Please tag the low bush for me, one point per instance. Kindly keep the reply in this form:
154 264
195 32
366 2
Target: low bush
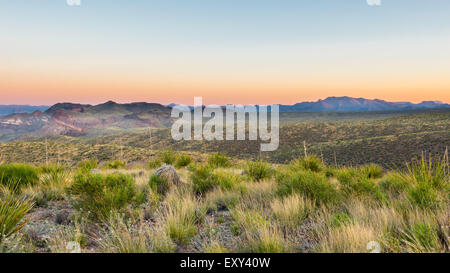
88 165
424 196
203 178
116 164
313 185
310 163
154 163
99 195
371 171
183 160
394 184
354 182
168 156
218 160
18 174
258 170
159 184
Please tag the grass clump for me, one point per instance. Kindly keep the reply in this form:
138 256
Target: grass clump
313 185
371 171
394 184
421 237
183 160
159 184
99 195
181 214
88 165
310 163
12 212
168 156
356 183
116 164
258 170
219 160
424 196
155 163
291 211
18 175
203 178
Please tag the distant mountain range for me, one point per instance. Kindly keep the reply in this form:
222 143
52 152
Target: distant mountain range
15 109
92 120
335 104
79 119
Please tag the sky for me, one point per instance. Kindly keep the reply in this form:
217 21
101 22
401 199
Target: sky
227 51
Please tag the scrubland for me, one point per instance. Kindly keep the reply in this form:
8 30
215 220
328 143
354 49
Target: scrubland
225 205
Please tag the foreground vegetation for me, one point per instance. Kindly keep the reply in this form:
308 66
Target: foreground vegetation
225 205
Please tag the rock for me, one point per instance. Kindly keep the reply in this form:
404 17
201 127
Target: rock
168 173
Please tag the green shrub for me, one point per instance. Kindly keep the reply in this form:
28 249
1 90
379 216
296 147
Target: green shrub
354 182
159 184
12 212
219 160
116 164
394 184
433 171
339 219
313 185
168 157
154 163
227 180
99 195
258 170
311 163
371 171
183 160
424 196
88 165
203 178
18 174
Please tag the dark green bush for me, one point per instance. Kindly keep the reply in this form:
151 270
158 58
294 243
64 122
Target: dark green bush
183 160
159 184
18 174
219 160
258 170
311 184
98 195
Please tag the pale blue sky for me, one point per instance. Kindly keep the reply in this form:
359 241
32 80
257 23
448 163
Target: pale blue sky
200 44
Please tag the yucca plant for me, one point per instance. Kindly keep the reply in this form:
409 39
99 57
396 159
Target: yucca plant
12 211
429 170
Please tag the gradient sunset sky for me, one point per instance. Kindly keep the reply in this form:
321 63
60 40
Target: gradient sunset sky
228 51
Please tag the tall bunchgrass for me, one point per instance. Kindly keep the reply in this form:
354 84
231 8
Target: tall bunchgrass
258 170
18 174
219 160
13 209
